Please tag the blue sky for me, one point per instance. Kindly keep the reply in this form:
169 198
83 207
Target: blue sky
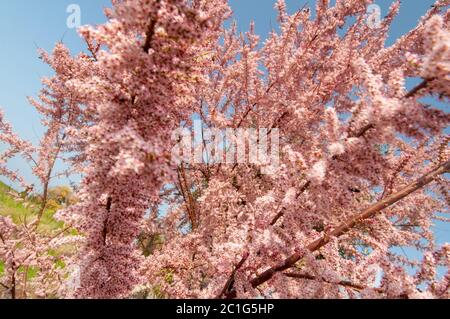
28 24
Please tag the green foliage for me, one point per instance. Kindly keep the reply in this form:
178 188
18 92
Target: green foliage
168 275
150 243
25 210
158 293
31 272
10 207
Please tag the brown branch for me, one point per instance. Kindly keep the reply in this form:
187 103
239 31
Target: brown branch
105 226
278 121
363 130
350 223
149 36
60 233
44 200
423 85
246 114
13 280
93 50
51 166
344 283
227 290
188 198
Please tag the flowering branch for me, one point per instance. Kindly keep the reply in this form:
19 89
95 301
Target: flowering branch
227 289
344 227
343 283
283 209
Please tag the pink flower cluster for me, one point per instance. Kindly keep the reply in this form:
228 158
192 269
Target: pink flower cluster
362 158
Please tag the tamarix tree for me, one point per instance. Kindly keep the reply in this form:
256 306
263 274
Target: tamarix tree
360 171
